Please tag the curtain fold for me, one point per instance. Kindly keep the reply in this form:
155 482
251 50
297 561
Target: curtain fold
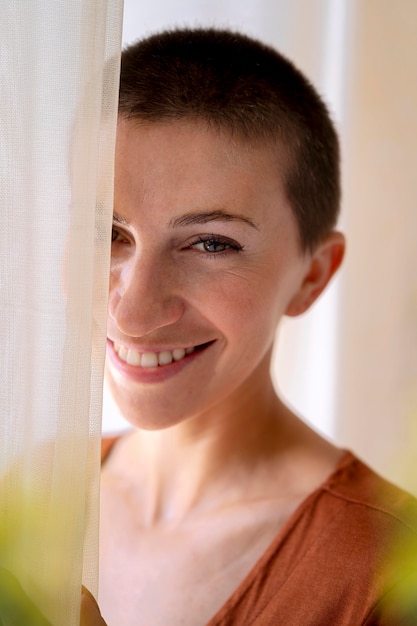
59 66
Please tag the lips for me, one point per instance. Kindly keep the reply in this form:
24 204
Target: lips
149 359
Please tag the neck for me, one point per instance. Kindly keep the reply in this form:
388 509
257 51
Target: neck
197 463
236 451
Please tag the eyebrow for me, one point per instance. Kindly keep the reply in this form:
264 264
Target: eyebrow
119 220
202 217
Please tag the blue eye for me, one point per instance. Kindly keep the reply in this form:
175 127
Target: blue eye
216 245
210 245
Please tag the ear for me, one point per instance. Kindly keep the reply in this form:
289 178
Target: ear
323 264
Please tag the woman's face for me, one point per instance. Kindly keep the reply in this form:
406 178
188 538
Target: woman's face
205 261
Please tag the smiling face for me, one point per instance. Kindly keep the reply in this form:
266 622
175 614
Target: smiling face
205 261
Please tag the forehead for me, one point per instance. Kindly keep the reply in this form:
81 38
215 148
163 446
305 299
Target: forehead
186 139
179 166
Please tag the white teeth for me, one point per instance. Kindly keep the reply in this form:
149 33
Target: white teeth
133 357
123 352
178 354
165 358
151 359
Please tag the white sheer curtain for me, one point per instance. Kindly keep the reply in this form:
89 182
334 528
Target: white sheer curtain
59 65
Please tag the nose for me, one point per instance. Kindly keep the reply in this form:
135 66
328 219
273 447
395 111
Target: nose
144 295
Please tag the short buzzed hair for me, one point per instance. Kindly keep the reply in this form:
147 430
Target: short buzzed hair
239 85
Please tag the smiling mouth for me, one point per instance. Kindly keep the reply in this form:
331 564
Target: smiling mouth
154 359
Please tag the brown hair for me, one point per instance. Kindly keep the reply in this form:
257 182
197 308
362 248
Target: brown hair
237 84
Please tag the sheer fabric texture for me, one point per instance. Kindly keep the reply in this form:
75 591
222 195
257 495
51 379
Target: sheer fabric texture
59 67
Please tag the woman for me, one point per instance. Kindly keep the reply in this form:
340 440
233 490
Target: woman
221 506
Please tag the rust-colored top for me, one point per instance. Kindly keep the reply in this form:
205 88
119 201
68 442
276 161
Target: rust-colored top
346 557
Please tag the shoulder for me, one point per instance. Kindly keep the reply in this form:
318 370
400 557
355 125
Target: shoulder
375 511
356 484
351 550
377 532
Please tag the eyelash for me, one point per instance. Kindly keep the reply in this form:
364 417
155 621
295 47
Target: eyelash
230 245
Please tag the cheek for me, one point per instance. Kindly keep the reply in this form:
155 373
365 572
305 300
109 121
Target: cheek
244 305
118 280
